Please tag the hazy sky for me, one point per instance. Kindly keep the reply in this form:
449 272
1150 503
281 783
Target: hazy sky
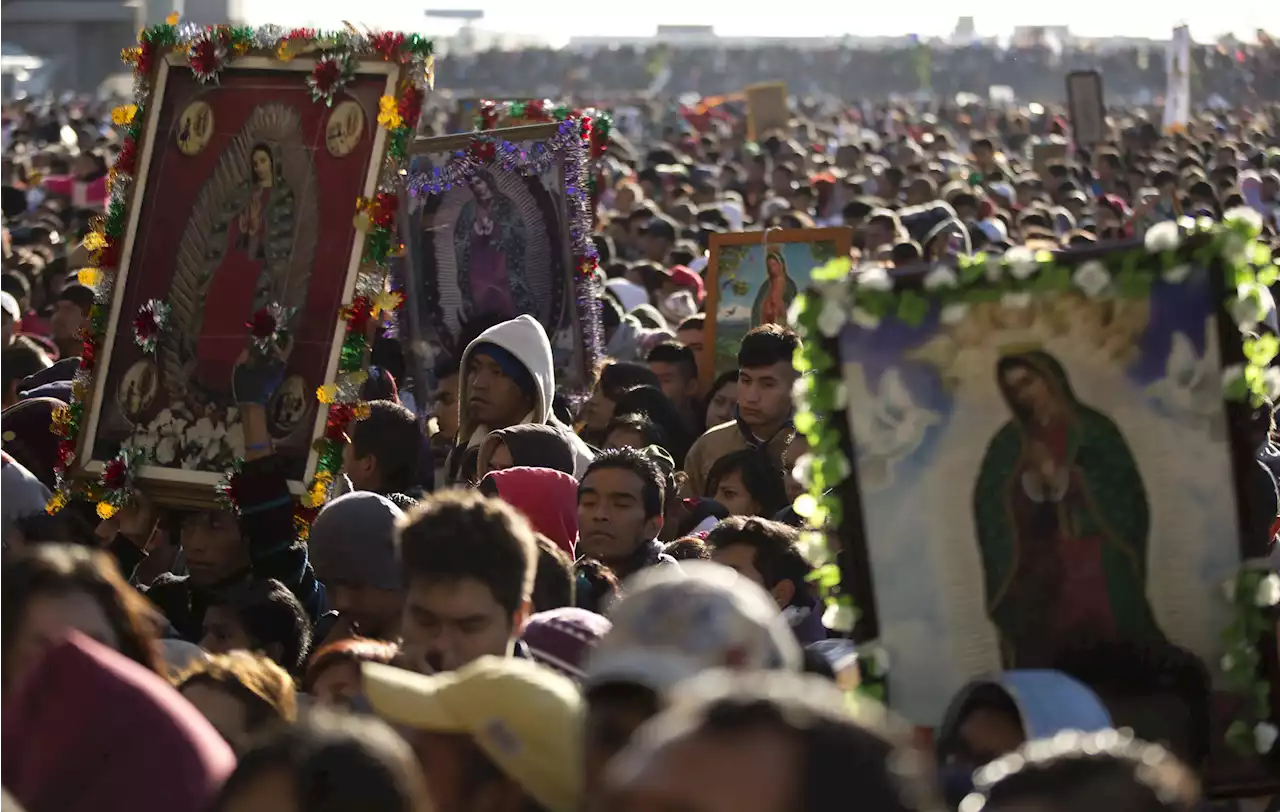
559 20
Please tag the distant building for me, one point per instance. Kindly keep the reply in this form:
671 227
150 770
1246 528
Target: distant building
79 40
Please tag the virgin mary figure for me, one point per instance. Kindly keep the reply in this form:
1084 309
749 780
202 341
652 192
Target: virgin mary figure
249 247
776 294
489 241
1062 520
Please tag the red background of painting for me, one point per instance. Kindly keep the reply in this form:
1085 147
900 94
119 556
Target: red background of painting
174 182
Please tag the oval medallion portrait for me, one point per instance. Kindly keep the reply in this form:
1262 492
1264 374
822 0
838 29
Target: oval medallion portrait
345 129
195 128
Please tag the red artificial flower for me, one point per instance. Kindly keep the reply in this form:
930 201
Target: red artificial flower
146 53
230 489
127 159
108 257
387 44
410 105
262 324
301 33
357 315
145 326
204 57
586 128
113 475
66 454
534 109
383 211
88 355
340 416
326 74
481 150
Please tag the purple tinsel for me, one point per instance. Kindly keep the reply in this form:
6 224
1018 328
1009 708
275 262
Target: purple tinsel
533 159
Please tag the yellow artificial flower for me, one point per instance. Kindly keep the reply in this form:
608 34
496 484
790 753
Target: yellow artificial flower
326 393
56 503
88 276
387 300
361 411
106 510
123 115
95 241
362 222
323 479
173 18
431 72
389 113
62 415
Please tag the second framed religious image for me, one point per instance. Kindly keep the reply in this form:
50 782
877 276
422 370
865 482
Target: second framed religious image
493 245
752 277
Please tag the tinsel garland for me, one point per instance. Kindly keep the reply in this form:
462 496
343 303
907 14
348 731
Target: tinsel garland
119 481
568 146
216 48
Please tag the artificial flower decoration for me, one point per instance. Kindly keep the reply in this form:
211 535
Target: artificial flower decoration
207 56
330 74
123 115
269 327
150 322
228 488
386 302
389 113
119 481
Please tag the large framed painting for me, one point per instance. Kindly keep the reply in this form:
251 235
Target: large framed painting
497 224
246 176
1033 456
751 279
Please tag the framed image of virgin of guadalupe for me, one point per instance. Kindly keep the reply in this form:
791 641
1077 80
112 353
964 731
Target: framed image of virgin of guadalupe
495 225
244 192
1043 469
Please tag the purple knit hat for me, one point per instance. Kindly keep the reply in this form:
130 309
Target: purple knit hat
560 638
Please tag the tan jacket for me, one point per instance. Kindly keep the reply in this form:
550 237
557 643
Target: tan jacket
725 439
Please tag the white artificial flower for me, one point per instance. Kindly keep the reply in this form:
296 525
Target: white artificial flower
865 320
163 419
1264 737
802 472
839 617
813 543
1017 300
993 270
1021 261
1268 591
880 658
1247 308
1228 663
1162 237
875 278
1271 380
1247 215
832 319
940 277
1092 277
954 313
1177 274
837 290
800 389
793 311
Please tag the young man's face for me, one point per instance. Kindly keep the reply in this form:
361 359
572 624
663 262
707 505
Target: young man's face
693 338
447 623
611 515
213 546
445 405
493 399
675 383
764 395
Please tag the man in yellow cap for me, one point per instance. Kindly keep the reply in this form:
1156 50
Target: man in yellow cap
498 734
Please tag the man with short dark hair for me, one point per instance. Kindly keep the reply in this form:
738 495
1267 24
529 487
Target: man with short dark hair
70 313
768 553
766 374
381 454
469 565
620 511
692 333
677 371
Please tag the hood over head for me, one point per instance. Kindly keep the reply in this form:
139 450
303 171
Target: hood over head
533 445
1048 703
525 339
547 498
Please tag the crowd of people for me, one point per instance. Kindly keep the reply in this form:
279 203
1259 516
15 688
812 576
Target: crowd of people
1238 73
522 605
